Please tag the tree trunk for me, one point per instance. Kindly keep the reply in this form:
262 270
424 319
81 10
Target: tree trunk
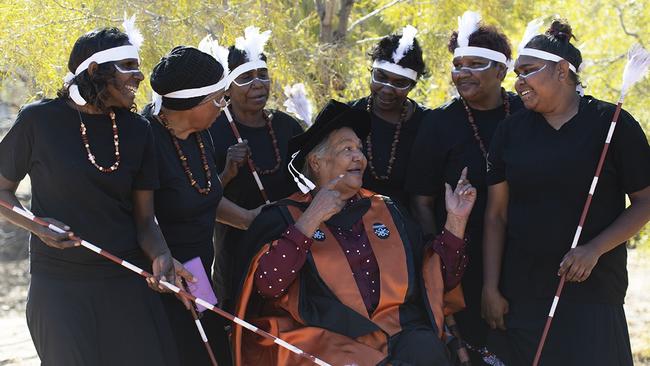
344 16
326 14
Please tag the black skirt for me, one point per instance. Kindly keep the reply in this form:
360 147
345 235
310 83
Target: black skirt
581 334
110 321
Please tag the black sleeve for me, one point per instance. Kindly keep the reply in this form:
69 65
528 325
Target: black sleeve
631 154
16 148
147 177
426 167
496 172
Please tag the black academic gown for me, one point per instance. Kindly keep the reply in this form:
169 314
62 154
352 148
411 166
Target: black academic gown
310 310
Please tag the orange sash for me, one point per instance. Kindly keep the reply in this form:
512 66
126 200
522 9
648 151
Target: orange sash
281 316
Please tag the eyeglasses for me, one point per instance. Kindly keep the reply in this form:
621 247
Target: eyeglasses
529 73
221 104
475 67
381 79
122 70
249 78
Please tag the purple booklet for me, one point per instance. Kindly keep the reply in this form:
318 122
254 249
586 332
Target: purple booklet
202 288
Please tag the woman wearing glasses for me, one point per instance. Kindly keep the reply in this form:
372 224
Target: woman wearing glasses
189 89
458 137
92 166
542 165
266 132
395 118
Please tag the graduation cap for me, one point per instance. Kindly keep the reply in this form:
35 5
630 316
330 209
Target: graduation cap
335 115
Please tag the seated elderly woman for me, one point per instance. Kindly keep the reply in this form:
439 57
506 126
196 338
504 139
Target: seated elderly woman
340 272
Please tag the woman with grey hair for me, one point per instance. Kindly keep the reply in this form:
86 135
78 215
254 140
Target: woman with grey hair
339 271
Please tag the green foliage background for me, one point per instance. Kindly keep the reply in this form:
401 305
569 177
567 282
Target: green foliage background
37 35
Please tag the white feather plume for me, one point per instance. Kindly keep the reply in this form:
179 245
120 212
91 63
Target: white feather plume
253 42
468 23
211 46
638 60
532 29
135 37
405 43
297 102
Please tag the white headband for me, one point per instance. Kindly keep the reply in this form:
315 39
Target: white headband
481 52
186 94
111 54
395 69
545 56
245 67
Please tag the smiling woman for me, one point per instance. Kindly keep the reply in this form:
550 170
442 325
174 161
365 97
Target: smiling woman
92 166
542 163
458 136
341 270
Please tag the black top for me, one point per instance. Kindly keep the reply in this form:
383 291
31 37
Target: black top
444 147
186 217
45 143
382 133
549 173
242 189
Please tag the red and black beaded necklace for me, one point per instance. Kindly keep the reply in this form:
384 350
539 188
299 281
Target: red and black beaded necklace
183 159
268 117
393 149
472 121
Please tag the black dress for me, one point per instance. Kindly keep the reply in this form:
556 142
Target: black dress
187 218
83 309
382 133
442 149
549 173
242 189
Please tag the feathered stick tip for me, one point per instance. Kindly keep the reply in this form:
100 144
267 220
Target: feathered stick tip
468 23
405 43
211 46
638 60
253 42
297 102
532 29
135 37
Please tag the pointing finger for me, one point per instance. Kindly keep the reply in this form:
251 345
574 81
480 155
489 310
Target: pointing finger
463 174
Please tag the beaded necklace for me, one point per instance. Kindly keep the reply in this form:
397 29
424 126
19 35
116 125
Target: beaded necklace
268 117
393 149
186 167
116 143
472 121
